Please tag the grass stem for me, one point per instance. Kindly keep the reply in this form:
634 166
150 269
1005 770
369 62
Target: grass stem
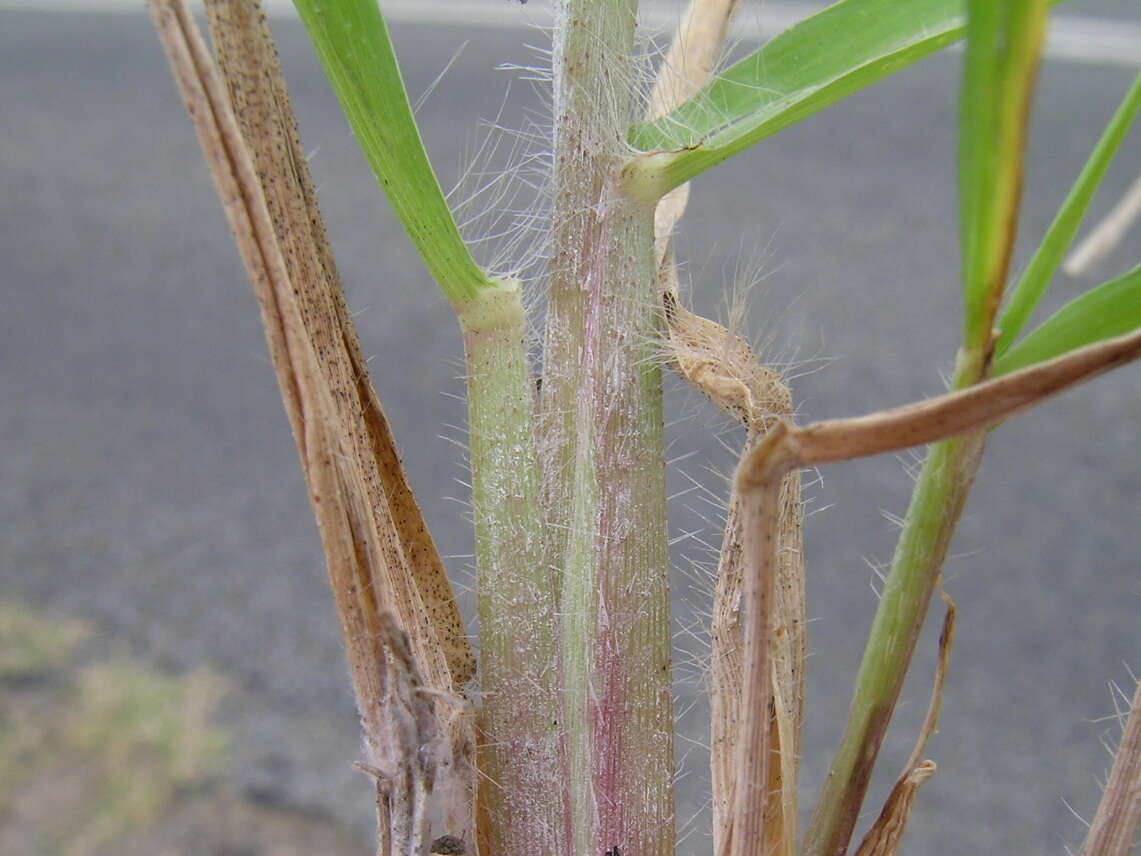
519 747
602 445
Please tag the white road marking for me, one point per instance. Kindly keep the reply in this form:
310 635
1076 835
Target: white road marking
1072 37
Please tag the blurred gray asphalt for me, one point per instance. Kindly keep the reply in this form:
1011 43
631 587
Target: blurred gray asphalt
150 482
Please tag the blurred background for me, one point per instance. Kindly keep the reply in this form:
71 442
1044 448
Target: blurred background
171 673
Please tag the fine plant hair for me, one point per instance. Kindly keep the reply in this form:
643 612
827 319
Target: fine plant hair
555 251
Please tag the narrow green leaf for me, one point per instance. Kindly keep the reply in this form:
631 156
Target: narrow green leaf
812 64
1111 309
1004 39
352 41
819 61
1040 272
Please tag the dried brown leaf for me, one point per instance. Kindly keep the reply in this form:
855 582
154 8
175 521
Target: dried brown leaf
884 837
414 583
726 369
1107 234
378 552
693 54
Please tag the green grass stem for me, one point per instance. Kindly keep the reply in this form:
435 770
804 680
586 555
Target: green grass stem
615 604
519 742
596 38
1004 41
936 505
603 456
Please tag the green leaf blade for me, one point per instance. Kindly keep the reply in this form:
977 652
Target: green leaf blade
823 59
1112 309
1004 40
819 61
813 64
353 44
1034 282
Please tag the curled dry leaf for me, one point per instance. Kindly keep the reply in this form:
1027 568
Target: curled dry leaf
726 369
884 838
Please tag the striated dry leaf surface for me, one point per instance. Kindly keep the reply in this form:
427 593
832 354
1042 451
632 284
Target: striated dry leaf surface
1113 831
380 557
415 584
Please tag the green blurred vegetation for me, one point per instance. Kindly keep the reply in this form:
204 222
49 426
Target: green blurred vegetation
92 749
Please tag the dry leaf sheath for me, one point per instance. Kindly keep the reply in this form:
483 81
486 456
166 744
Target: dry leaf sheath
379 554
1113 831
249 65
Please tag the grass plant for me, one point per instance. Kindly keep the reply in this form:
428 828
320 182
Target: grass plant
563 743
